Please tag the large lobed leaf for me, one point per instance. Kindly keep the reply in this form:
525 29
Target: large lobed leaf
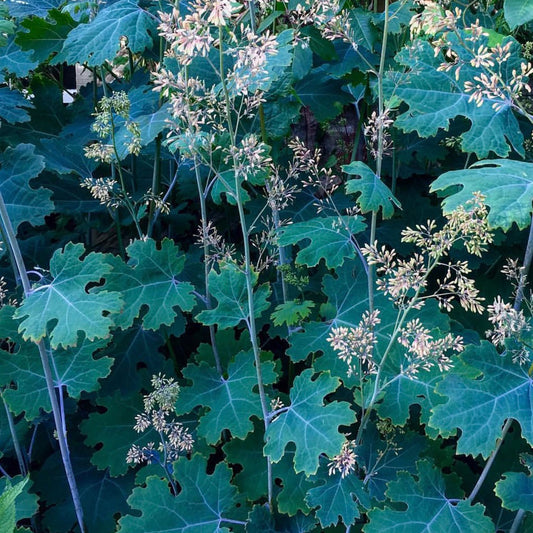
18 166
347 300
65 307
99 40
76 370
515 490
229 289
435 98
338 497
150 280
112 433
428 508
518 12
329 239
481 395
201 506
232 401
45 36
310 423
12 106
506 184
373 193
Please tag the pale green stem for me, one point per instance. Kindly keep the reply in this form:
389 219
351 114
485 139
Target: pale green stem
517 521
250 322
14 438
490 460
61 436
118 166
379 155
203 211
156 184
400 320
526 265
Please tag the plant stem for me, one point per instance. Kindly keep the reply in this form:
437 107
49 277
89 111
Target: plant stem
14 438
490 460
526 265
156 183
250 321
379 155
208 304
61 436
517 521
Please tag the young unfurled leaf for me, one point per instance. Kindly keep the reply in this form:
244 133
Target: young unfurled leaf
310 423
7 504
150 280
202 505
506 184
65 307
373 193
292 312
427 504
229 289
330 239
232 401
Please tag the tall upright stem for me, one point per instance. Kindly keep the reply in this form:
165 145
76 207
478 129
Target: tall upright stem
14 438
379 155
203 212
61 435
250 322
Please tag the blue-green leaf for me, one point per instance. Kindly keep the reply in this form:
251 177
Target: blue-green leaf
518 12
373 193
232 401
330 239
506 184
99 40
481 395
201 506
310 423
428 508
18 166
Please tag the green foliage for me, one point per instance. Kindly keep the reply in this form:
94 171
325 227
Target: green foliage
481 395
150 278
204 502
436 97
229 289
373 193
330 239
17 168
223 347
338 497
427 503
518 12
67 301
231 402
516 491
100 40
309 423
506 184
